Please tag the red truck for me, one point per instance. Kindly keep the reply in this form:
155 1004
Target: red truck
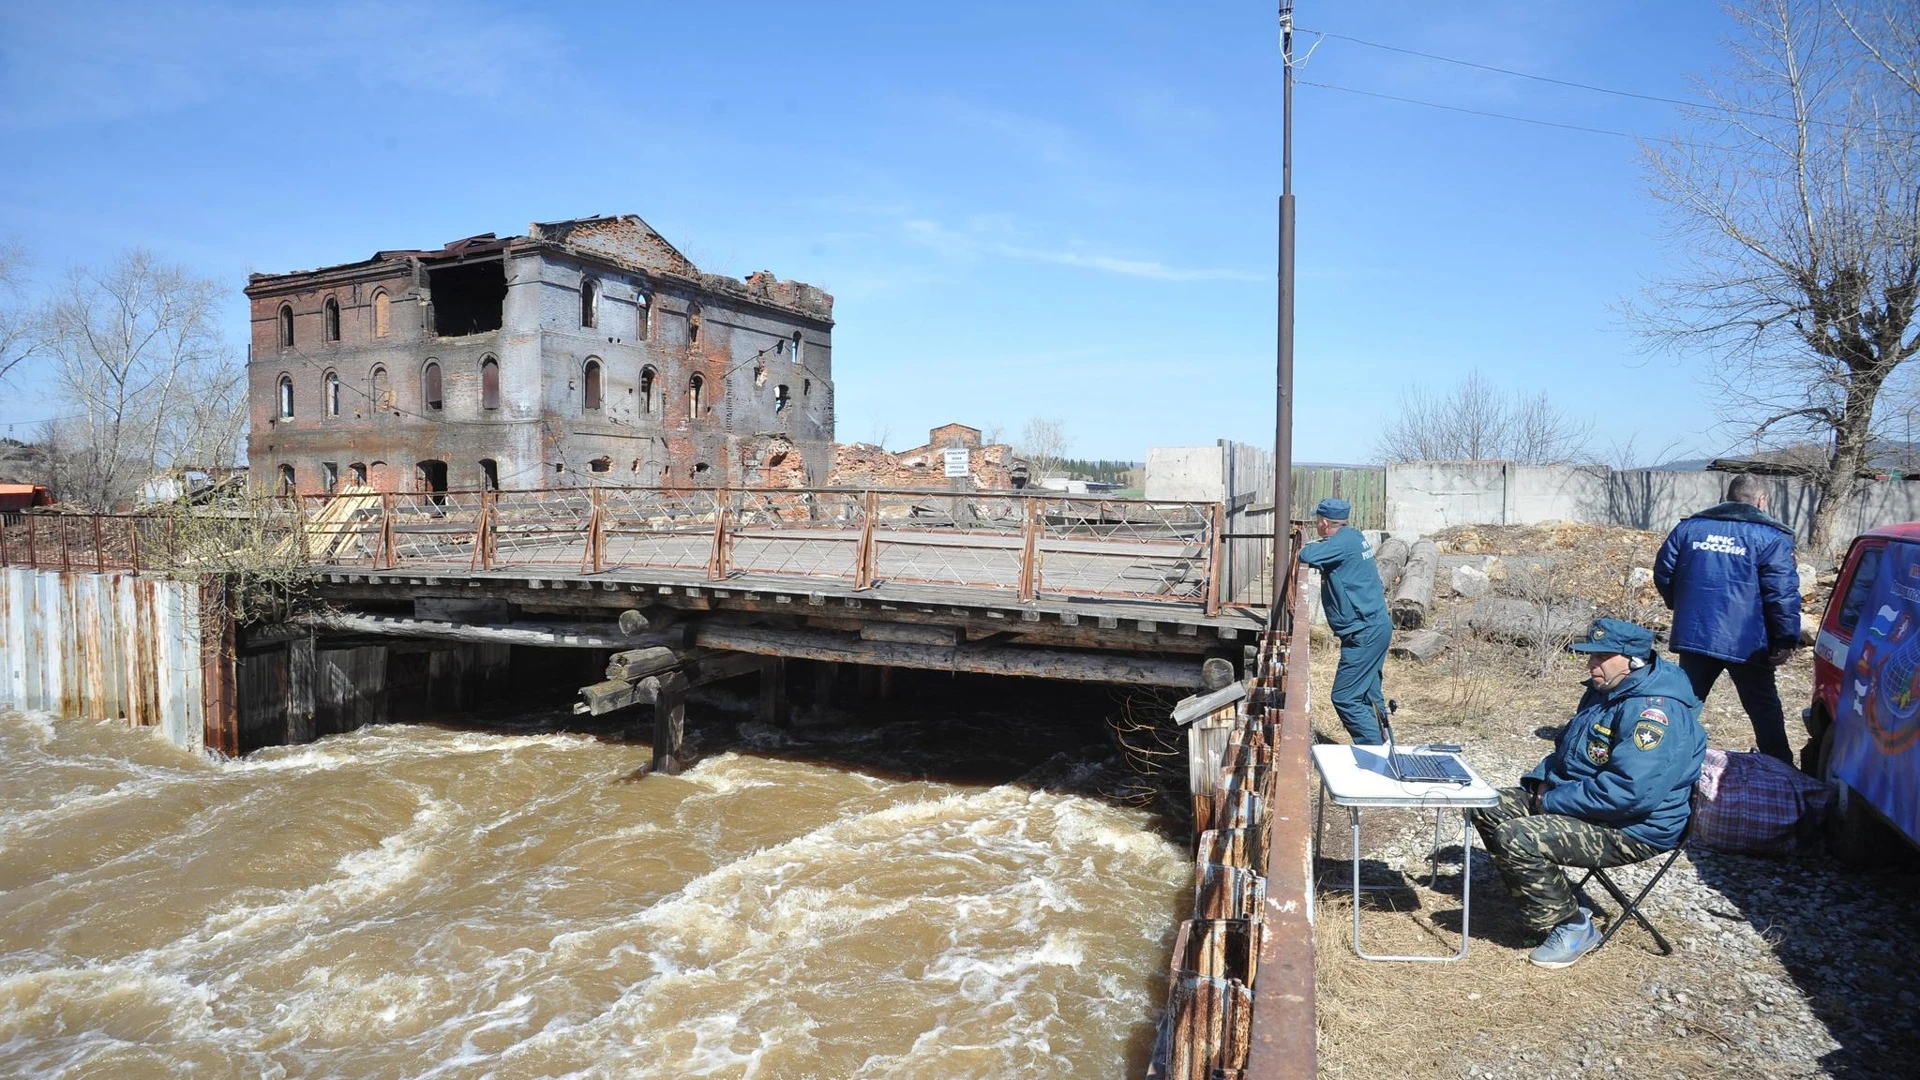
1864 722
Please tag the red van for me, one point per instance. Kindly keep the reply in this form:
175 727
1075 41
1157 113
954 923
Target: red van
1865 717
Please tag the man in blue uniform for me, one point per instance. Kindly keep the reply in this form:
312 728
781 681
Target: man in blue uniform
1616 789
1356 608
1728 574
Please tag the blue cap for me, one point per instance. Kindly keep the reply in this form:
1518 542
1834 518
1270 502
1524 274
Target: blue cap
1615 636
1334 509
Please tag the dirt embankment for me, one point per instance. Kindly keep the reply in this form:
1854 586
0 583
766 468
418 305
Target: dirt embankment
1783 967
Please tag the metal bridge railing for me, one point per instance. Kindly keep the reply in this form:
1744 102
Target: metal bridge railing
1027 545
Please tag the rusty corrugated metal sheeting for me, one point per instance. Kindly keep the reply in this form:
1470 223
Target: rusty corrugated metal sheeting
104 646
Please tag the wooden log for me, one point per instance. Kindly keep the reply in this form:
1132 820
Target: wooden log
604 697
986 660
1413 600
639 663
1391 560
1420 645
669 724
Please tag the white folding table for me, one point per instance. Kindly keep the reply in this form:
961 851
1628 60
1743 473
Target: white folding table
1357 778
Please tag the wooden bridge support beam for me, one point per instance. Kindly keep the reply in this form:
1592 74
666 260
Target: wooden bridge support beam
669 724
773 690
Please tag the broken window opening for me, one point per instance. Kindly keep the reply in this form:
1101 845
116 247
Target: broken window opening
332 323
781 398
759 376
382 395
467 298
329 476
590 389
286 397
696 394
287 485
601 464
331 390
430 386
645 304
589 303
702 473
777 460
382 313
286 326
358 471
798 345
489 383
693 324
806 387
430 478
646 389
381 480
489 474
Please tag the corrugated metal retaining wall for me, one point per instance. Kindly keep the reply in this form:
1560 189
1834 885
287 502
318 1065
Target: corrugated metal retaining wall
105 646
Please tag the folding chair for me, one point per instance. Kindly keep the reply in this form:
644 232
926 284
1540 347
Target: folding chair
1631 908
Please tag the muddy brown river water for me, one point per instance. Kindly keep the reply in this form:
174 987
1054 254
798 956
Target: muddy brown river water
515 901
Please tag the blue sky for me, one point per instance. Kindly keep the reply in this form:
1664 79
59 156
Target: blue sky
1061 210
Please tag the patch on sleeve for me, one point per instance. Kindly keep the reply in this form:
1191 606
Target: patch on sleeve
1647 734
1656 715
1599 752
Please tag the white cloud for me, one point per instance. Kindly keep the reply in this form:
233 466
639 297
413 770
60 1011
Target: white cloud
972 244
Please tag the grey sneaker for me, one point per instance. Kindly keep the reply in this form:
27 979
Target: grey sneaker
1567 942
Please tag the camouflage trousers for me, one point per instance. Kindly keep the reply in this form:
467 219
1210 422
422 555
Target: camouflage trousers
1531 848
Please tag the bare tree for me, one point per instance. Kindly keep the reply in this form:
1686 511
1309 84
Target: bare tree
1475 421
19 330
141 368
1795 211
1043 444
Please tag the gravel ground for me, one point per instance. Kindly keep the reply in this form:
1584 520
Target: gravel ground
1794 967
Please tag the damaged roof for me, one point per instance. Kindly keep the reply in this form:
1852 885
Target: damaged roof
624 240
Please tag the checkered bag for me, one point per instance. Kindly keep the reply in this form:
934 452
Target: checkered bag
1752 804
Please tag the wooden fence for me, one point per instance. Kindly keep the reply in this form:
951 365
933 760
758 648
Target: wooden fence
1366 489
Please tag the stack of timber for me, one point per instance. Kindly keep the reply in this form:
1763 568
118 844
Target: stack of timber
340 523
660 676
1413 600
1205 1031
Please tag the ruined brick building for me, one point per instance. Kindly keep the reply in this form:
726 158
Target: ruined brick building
586 352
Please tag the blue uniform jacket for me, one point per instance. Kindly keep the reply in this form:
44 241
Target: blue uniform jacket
1728 574
1350 591
1630 756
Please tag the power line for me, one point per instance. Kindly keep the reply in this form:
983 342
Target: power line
1571 84
1502 116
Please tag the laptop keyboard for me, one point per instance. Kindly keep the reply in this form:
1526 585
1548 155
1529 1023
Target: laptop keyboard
1429 768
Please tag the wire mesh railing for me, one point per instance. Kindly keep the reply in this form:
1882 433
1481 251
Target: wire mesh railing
1032 546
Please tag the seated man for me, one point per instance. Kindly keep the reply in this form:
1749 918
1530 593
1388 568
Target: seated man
1616 789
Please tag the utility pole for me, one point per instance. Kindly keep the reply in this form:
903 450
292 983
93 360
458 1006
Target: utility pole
1283 389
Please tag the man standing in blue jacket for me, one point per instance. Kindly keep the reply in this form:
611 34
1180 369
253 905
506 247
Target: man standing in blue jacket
1616 789
1356 607
1728 574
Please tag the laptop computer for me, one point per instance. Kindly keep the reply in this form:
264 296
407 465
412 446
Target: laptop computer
1422 765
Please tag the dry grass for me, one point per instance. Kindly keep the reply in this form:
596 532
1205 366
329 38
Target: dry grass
1494 1013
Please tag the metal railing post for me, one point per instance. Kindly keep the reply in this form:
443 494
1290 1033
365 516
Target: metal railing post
717 561
1030 552
866 560
133 543
33 549
6 554
483 535
1214 558
99 549
592 560
66 551
389 558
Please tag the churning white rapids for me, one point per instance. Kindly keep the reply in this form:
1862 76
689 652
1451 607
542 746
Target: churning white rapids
417 901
